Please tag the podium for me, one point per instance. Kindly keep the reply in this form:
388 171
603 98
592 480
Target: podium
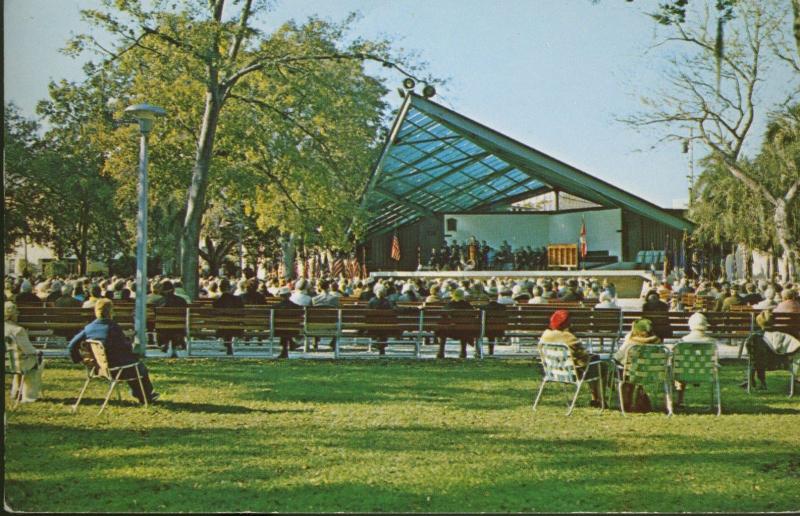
562 256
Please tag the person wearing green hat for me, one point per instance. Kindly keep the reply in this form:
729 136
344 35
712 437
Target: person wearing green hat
641 334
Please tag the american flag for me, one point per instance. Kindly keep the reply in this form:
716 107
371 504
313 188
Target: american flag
364 263
353 268
395 248
584 248
338 267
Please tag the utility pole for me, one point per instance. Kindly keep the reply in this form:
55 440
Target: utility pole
688 146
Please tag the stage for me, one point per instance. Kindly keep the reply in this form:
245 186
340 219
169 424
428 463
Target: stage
628 283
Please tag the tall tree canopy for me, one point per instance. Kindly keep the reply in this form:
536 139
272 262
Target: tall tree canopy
723 113
288 119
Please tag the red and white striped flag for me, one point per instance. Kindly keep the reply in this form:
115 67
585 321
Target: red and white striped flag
338 267
395 247
584 248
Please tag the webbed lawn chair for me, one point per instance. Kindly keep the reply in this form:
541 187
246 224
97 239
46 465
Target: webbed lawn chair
697 362
93 354
559 367
645 364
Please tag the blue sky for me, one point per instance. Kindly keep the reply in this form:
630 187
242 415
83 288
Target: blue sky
554 74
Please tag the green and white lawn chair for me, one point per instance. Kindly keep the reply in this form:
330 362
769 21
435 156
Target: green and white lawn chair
560 368
646 364
697 362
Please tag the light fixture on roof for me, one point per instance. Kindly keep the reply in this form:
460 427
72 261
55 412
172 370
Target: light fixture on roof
408 86
428 91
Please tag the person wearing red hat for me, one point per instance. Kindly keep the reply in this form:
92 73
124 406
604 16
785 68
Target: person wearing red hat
559 333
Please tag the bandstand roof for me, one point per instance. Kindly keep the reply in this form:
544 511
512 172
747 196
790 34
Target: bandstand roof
439 161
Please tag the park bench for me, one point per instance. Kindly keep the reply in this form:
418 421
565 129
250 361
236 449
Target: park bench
212 327
169 325
51 328
458 324
787 322
322 322
285 323
728 326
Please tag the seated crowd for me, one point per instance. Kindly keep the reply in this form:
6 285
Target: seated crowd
101 294
723 295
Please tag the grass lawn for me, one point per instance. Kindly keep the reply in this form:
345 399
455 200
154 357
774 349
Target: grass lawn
392 435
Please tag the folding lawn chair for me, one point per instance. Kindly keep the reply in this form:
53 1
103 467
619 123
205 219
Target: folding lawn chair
560 368
643 364
697 362
759 355
93 353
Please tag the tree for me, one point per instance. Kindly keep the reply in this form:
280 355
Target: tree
723 115
55 194
215 54
22 199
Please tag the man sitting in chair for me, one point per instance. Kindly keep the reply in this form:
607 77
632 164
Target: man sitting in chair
118 349
558 333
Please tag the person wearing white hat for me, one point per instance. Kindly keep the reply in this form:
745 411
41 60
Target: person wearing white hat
520 294
504 297
26 295
300 294
606 301
408 293
698 328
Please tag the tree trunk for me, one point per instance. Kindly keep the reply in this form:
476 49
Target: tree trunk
782 232
195 202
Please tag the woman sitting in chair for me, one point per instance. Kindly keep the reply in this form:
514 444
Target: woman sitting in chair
769 349
118 349
29 358
698 328
558 333
641 333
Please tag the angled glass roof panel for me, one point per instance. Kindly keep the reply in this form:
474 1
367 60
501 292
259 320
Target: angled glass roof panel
439 160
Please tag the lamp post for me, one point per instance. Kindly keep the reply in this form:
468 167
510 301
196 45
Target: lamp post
145 114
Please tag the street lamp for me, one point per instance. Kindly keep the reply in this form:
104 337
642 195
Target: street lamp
145 114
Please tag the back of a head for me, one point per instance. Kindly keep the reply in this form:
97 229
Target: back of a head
788 294
66 290
10 311
96 291
224 285
764 320
324 284
559 320
103 308
642 328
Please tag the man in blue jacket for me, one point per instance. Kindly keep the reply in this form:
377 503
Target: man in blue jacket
118 349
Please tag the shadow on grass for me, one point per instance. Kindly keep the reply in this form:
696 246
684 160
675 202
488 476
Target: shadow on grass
537 474
177 406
